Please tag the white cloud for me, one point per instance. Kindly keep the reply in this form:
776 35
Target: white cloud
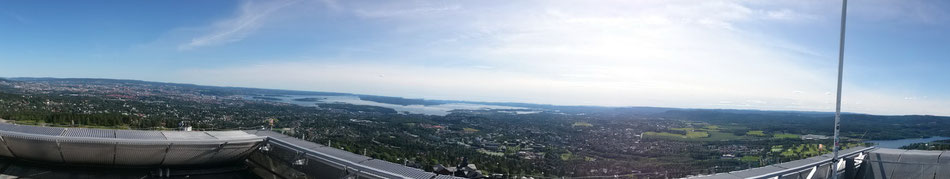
332 4
250 16
788 15
387 13
644 53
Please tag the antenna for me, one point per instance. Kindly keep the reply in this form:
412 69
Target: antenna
834 160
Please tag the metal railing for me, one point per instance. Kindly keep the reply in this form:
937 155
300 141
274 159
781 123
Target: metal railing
299 158
813 165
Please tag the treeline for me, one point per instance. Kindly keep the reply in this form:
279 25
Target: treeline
861 126
935 145
105 119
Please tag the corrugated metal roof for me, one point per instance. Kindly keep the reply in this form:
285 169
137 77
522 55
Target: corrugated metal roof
145 135
140 155
7 127
87 152
181 135
86 132
230 135
34 148
37 130
190 154
129 147
342 154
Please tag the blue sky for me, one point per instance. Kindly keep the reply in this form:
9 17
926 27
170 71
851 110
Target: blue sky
773 55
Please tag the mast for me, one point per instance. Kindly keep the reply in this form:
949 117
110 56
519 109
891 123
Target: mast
834 160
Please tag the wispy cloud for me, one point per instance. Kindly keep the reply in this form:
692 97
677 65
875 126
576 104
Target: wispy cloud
650 53
250 16
15 16
385 13
332 4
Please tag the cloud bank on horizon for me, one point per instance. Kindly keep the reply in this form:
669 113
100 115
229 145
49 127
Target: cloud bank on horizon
772 55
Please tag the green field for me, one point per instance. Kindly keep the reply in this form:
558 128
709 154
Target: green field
749 158
696 136
664 135
469 130
777 148
723 136
785 136
755 133
486 152
582 124
566 156
805 150
689 134
705 133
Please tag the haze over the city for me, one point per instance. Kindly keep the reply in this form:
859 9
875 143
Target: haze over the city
771 55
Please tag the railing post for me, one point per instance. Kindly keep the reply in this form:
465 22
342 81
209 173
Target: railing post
812 173
849 169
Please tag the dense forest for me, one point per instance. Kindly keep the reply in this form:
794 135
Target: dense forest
859 126
101 119
935 145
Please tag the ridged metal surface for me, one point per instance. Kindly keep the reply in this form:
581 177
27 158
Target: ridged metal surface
180 135
87 151
234 150
190 154
85 132
342 154
34 148
4 151
316 169
55 131
123 147
138 154
230 135
131 148
282 152
144 135
445 177
6 127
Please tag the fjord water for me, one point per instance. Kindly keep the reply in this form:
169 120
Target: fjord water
893 144
441 109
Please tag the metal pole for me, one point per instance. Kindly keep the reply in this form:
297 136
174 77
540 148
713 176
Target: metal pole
834 160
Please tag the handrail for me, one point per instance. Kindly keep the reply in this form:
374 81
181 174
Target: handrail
347 163
122 140
803 167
